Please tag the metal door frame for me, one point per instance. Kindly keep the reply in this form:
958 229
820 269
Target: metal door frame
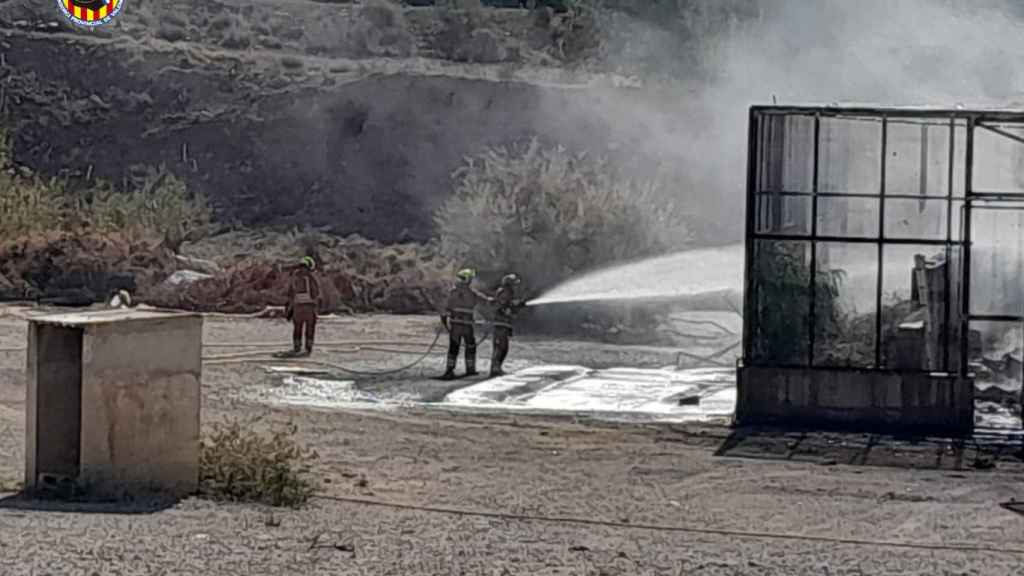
983 201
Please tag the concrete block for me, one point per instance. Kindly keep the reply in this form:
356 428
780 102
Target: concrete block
114 401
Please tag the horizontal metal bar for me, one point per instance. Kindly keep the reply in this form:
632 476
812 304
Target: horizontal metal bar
994 318
823 368
857 195
853 240
1008 196
999 207
1011 116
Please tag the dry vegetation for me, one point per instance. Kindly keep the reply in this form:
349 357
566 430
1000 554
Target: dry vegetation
237 465
159 208
548 214
356 275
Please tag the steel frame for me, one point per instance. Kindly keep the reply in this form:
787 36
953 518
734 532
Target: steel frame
971 199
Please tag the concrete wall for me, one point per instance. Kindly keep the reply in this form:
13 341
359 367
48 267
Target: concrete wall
140 406
53 403
888 401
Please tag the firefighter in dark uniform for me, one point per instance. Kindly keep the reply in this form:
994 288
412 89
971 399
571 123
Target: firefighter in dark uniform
458 318
303 305
507 306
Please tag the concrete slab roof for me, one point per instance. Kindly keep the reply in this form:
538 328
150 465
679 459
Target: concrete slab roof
92 317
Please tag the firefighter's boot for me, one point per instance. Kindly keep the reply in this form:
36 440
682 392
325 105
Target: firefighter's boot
449 372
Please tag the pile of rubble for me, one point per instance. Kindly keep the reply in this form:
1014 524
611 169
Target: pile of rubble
253 287
247 272
356 275
79 269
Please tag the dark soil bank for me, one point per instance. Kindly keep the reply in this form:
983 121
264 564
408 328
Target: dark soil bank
308 141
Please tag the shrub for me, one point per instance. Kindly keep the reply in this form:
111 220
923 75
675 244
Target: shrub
484 46
782 278
292 62
238 465
29 204
158 207
459 20
381 30
161 206
171 33
549 214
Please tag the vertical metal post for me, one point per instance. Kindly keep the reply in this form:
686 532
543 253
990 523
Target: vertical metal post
753 170
881 246
811 320
923 179
967 240
947 325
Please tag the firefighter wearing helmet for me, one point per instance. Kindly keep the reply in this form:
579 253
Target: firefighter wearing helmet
458 318
507 306
303 305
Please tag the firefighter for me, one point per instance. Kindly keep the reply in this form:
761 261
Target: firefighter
303 305
458 318
507 306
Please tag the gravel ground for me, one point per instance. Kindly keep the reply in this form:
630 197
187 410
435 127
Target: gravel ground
476 494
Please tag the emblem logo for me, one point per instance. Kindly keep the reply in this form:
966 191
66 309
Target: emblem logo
90 12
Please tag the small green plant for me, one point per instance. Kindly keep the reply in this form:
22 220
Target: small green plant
782 288
238 465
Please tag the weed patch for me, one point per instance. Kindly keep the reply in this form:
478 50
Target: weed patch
238 465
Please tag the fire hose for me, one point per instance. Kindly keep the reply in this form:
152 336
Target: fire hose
242 357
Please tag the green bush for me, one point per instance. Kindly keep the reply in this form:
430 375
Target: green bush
782 280
238 465
159 207
29 204
549 214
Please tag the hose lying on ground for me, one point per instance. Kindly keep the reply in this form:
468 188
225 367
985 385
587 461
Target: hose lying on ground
240 359
355 348
246 357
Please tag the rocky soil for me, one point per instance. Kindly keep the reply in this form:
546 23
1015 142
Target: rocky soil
422 491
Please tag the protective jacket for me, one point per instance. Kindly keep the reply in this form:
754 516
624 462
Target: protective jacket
462 300
507 306
303 289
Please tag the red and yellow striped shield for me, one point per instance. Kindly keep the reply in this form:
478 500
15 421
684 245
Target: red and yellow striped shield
91 13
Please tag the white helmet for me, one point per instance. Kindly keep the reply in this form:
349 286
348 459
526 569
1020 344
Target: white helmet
120 299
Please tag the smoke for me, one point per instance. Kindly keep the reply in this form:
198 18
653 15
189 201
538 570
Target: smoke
692 129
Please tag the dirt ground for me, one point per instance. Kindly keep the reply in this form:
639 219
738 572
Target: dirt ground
420 490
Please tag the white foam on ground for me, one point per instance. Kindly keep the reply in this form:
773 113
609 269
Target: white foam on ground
633 393
710 392
322 393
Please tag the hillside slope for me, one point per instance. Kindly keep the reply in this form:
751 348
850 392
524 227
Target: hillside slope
295 112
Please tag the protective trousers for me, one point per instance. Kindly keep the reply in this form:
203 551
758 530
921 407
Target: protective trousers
501 336
304 320
461 333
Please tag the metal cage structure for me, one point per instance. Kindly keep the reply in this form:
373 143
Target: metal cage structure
884 255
